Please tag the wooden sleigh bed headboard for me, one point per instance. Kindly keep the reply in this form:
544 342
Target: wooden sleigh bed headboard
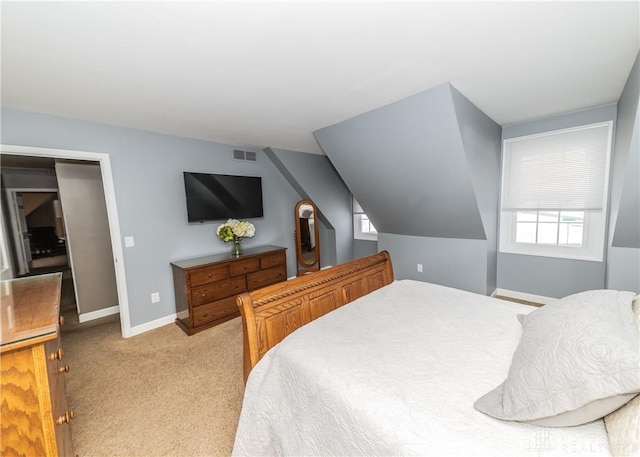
271 313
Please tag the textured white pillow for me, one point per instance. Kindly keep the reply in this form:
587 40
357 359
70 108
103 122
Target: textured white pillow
577 361
623 425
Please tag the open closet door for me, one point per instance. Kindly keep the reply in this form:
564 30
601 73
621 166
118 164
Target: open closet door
88 238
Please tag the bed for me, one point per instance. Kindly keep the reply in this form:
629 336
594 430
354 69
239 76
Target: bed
396 372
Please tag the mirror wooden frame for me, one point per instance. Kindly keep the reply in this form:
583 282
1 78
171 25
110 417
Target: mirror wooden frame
307 235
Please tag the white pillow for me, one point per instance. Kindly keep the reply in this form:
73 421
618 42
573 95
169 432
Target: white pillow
623 425
577 361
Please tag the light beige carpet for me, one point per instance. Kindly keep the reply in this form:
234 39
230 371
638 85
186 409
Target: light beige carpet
161 393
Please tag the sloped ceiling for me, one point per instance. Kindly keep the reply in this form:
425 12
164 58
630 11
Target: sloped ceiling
406 165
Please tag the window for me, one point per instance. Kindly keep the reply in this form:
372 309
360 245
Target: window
561 228
363 229
554 193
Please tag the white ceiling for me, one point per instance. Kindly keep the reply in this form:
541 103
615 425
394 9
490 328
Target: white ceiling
270 73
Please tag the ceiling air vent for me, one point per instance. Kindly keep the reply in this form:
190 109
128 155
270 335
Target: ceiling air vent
247 156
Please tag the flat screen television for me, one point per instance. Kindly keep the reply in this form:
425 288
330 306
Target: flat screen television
213 197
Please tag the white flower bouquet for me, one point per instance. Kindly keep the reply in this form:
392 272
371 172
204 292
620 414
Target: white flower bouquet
234 227
234 230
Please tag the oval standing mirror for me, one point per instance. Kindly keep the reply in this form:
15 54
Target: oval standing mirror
307 239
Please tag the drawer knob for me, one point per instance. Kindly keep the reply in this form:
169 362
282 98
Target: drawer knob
66 418
63 369
202 294
209 275
61 320
57 355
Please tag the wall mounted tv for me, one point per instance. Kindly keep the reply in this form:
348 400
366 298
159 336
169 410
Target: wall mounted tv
213 197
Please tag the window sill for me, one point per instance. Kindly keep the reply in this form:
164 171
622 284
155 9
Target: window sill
554 255
365 237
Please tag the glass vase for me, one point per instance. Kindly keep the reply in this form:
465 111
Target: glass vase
236 247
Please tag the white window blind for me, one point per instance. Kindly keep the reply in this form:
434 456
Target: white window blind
561 170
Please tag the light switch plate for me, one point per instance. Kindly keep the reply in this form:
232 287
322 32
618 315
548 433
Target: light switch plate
128 242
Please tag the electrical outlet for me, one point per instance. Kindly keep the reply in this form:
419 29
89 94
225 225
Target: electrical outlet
419 266
155 297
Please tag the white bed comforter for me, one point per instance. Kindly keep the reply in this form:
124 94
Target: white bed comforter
397 373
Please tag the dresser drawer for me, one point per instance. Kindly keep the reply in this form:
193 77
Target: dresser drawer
217 291
209 274
266 277
214 311
271 260
242 267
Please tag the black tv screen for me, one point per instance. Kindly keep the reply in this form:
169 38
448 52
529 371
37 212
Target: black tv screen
220 197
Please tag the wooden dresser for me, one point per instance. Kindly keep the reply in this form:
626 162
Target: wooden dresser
34 415
206 287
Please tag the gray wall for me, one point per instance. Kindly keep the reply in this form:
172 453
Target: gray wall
314 178
547 276
446 261
147 171
363 248
426 171
623 261
481 141
406 166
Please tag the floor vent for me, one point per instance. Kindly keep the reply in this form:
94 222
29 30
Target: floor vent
247 156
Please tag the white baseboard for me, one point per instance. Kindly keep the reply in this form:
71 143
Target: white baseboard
523 296
104 312
142 328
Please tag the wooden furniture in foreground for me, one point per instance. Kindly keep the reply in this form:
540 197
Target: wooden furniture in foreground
206 287
271 313
34 415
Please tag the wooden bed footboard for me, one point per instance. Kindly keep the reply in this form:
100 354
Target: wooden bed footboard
271 313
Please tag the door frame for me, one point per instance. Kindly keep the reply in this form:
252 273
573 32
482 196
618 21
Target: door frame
112 213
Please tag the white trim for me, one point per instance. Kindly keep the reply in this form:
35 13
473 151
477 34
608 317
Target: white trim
104 312
112 214
576 128
147 326
523 296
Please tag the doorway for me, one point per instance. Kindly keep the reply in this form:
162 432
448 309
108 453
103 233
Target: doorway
37 226
103 161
